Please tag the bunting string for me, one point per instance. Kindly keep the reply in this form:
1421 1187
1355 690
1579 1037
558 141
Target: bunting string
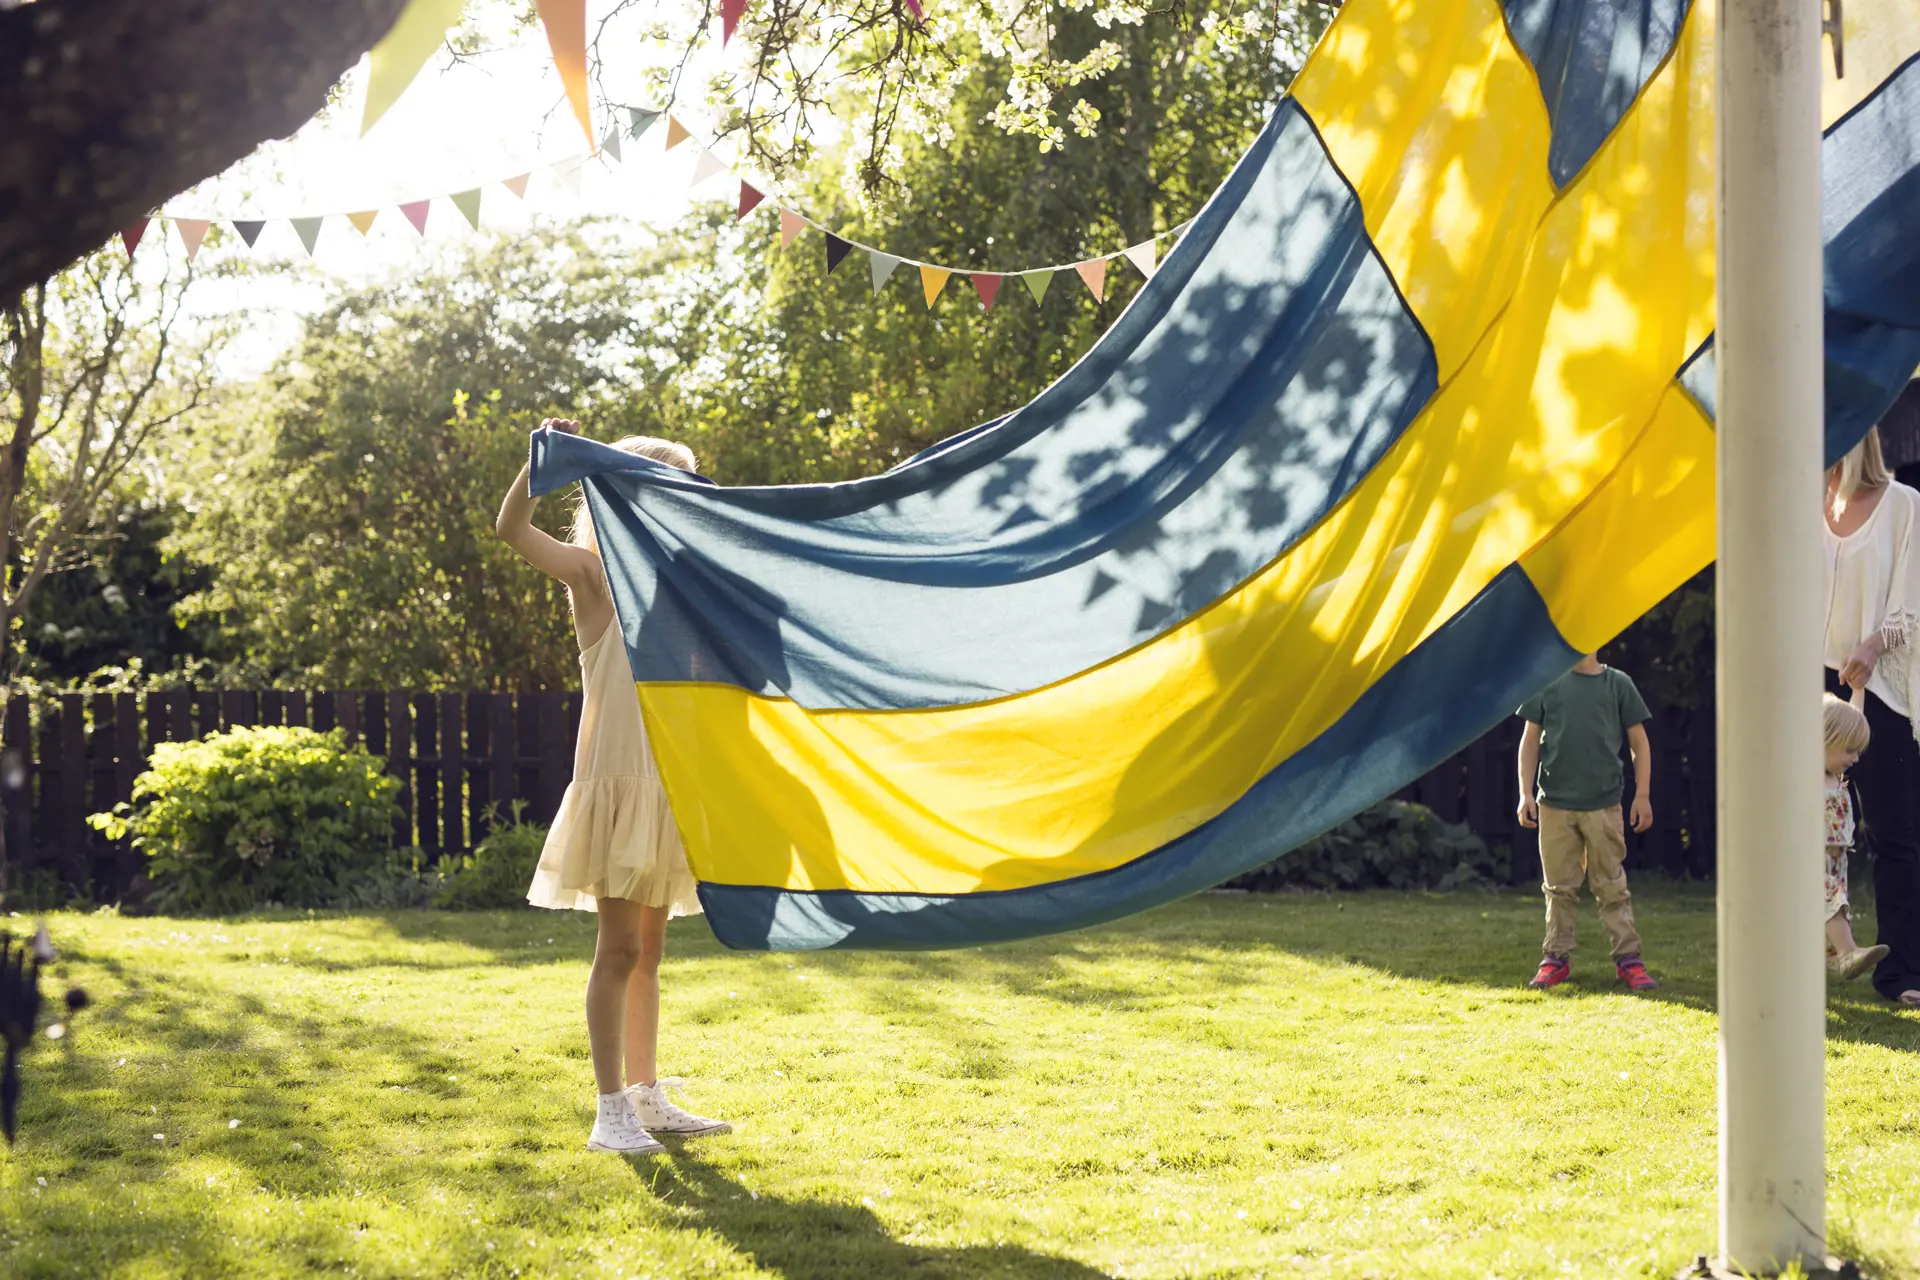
1092 272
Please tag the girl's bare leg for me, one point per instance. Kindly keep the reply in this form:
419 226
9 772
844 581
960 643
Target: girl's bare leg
616 955
1840 934
643 997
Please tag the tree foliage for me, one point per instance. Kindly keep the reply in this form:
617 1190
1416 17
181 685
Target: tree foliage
93 364
350 533
349 515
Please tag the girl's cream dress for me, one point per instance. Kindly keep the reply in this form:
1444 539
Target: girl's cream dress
614 836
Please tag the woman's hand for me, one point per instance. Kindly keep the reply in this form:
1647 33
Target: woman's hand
566 426
1858 670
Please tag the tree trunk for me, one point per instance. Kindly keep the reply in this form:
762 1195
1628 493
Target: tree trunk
112 106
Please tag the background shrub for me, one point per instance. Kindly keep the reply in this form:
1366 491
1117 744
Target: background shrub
257 817
497 872
1393 845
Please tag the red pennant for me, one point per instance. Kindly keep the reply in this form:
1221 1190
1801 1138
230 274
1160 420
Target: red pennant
130 235
919 14
417 214
730 14
749 200
986 284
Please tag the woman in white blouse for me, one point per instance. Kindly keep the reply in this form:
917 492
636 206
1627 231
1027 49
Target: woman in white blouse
1873 640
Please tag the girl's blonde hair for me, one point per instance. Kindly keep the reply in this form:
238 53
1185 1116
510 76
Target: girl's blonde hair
1846 726
1864 467
671 452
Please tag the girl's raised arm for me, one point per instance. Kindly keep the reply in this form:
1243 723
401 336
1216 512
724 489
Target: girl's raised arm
575 566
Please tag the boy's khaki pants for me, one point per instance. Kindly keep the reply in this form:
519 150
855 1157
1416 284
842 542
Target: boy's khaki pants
1591 845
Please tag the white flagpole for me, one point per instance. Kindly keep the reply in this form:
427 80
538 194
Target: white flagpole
1771 609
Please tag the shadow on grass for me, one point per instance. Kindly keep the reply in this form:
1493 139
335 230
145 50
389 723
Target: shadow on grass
824 1240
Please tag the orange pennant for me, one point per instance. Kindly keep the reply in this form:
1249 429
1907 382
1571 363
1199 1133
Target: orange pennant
518 186
192 232
677 133
932 281
566 24
1095 274
363 222
791 225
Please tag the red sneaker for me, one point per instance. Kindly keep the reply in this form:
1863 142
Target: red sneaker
1634 974
1553 971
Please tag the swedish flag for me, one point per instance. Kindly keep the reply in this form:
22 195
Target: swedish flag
1418 411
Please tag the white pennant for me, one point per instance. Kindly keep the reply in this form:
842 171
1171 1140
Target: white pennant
882 265
1142 256
708 166
568 171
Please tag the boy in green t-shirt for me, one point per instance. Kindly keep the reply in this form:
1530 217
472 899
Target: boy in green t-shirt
1572 743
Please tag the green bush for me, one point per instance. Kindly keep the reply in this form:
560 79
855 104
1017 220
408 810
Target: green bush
497 872
257 817
1393 845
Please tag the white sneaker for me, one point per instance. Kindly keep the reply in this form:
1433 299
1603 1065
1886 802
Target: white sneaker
655 1112
617 1128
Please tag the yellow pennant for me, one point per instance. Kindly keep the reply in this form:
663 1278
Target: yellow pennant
933 280
401 53
363 222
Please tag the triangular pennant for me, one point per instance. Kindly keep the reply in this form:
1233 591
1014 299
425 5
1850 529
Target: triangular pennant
1143 256
1095 274
882 265
730 13
249 231
417 214
566 24
518 186
707 166
791 225
919 14
468 202
568 172
131 233
932 281
987 285
308 229
837 250
677 133
1037 282
192 232
397 59
611 143
363 222
750 199
640 120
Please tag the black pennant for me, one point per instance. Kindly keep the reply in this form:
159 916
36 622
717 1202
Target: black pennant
249 231
837 250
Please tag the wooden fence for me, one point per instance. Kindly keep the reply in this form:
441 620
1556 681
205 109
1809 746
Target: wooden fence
462 757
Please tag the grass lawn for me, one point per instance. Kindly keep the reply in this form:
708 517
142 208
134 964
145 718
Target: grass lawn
1231 1086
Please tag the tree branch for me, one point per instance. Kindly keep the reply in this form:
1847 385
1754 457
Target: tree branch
114 105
